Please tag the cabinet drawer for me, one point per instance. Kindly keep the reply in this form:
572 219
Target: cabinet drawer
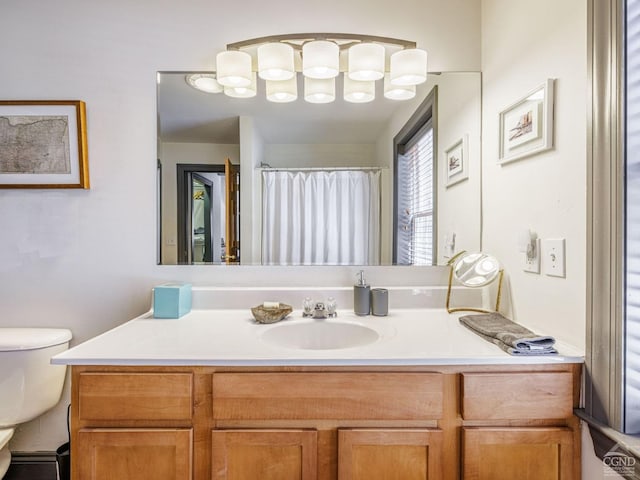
517 396
328 395
135 396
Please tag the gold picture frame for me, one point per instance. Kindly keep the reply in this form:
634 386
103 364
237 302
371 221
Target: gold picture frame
43 144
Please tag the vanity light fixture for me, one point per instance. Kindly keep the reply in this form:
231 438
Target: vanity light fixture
282 91
205 82
319 58
245 91
319 90
398 92
356 91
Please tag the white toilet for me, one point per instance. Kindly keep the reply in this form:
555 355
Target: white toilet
29 384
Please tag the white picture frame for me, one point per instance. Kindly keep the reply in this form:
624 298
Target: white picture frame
526 126
456 162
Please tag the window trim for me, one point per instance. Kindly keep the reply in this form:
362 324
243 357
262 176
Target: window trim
428 110
604 362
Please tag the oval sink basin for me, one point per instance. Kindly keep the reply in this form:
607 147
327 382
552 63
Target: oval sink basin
320 335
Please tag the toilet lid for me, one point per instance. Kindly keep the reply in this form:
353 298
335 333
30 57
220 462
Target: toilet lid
12 339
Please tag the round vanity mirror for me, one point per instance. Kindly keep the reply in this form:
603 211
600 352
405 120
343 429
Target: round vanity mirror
476 269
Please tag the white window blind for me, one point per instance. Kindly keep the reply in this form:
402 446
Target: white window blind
414 236
632 155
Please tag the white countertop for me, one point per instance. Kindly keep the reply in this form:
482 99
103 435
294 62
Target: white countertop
232 338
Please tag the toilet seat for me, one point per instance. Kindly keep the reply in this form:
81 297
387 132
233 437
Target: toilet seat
5 454
5 436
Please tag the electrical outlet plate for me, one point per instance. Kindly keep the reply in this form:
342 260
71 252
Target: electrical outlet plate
533 265
553 257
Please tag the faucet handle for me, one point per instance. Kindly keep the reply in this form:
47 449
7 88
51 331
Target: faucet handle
331 306
307 307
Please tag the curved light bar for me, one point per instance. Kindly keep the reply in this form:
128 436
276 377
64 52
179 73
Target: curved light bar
317 56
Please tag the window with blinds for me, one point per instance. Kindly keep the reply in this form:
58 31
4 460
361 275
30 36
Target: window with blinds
414 200
632 212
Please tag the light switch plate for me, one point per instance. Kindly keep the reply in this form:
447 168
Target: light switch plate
533 265
553 257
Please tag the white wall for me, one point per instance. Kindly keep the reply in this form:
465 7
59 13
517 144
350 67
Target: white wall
320 155
87 259
523 44
545 192
172 154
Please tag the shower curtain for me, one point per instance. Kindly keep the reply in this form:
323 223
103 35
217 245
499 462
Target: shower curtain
321 217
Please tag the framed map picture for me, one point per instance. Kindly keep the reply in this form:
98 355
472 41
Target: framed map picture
43 144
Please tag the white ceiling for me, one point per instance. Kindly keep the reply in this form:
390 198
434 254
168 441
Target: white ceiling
189 115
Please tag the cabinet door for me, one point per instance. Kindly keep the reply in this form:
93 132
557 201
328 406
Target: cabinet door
389 454
523 453
133 454
264 454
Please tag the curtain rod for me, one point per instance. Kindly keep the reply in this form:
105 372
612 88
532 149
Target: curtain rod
307 169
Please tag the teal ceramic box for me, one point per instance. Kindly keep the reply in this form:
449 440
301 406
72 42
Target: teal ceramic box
172 300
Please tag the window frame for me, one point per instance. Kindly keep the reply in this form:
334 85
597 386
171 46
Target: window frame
604 388
426 112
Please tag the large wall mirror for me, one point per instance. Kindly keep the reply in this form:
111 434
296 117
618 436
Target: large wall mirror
248 181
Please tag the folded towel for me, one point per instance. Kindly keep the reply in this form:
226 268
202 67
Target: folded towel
509 336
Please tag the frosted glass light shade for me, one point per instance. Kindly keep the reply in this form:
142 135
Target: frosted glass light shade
233 68
243 92
320 59
205 82
358 92
398 92
275 61
319 90
408 67
282 91
366 62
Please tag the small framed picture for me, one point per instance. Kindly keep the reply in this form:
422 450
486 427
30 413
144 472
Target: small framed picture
526 127
456 162
43 144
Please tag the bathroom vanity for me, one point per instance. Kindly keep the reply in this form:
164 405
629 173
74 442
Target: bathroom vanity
210 396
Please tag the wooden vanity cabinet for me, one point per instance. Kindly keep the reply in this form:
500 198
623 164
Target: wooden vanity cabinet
325 423
520 425
347 414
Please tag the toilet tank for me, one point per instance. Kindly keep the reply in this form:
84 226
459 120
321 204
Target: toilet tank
29 384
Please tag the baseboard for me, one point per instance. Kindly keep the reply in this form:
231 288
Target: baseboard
32 466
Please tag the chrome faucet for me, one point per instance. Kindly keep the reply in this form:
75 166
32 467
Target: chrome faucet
321 309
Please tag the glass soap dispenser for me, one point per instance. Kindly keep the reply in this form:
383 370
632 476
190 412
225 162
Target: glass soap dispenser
361 296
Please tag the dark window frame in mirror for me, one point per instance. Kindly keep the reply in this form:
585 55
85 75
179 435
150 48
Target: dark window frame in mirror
425 116
184 172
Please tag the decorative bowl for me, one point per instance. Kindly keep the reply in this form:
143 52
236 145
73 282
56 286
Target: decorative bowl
271 315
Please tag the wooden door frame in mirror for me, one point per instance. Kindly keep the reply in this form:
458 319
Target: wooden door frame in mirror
183 173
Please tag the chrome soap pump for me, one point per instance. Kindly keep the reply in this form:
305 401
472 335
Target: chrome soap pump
361 296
